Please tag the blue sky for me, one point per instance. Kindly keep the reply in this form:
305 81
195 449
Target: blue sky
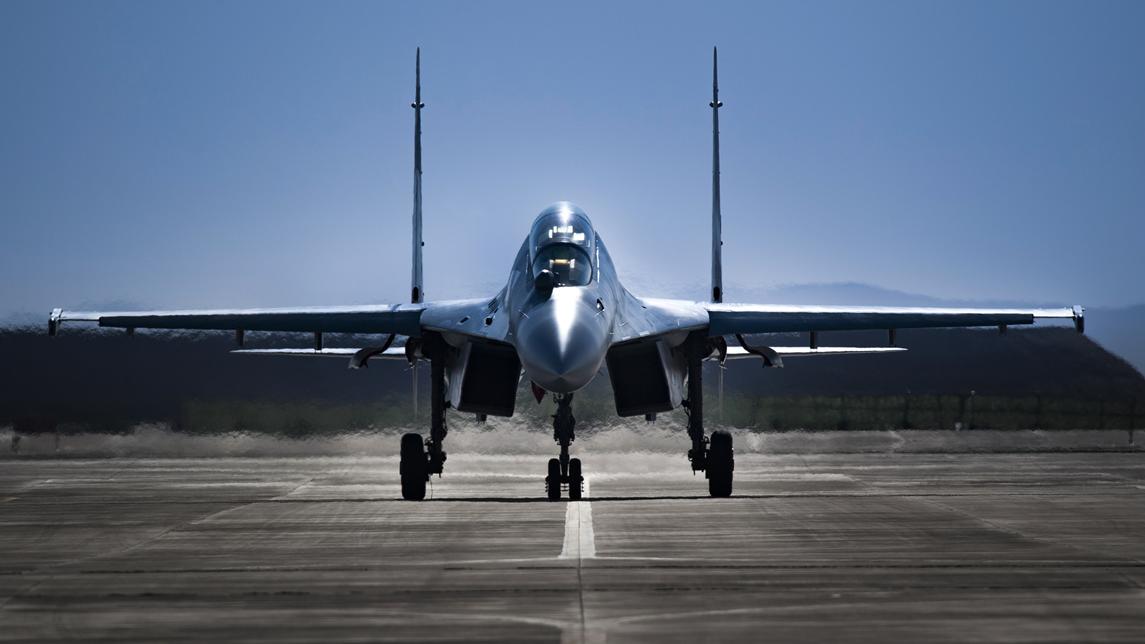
201 154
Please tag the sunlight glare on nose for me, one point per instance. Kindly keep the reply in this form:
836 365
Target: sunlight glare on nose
564 310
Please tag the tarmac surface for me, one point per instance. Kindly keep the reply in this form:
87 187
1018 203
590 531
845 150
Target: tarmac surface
833 547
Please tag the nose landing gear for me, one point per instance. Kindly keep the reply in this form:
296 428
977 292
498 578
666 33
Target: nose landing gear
564 472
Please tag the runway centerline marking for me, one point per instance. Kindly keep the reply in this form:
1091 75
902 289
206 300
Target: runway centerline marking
580 543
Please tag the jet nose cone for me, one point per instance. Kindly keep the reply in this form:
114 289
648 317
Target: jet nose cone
563 369
562 343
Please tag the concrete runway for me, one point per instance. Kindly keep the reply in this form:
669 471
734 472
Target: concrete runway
843 548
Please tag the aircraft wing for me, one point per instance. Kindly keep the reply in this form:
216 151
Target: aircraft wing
473 317
404 319
656 317
730 319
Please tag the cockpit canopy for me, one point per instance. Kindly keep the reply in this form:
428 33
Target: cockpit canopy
562 240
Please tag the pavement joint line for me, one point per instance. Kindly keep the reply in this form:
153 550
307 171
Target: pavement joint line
1008 529
56 566
678 563
524 499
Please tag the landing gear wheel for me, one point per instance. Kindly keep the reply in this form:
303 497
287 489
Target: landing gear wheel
553 480
413 467
720 464
575 479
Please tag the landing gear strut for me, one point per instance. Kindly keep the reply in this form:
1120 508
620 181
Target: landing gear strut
714 457
564 471
421 460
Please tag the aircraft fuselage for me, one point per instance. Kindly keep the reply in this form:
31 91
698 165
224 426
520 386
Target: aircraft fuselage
562 333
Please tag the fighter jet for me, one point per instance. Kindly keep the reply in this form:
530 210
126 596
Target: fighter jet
561 317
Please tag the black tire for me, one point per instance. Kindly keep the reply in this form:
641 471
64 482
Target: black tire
413 467
720 464
553 480
576 481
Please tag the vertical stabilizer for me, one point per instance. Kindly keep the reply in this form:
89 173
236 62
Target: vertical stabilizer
417 287
717 235
717 232
417 290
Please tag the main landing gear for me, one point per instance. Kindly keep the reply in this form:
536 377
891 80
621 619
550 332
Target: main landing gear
715 456
564 472
422 459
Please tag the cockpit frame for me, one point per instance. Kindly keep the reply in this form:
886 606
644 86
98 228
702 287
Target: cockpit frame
562 240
